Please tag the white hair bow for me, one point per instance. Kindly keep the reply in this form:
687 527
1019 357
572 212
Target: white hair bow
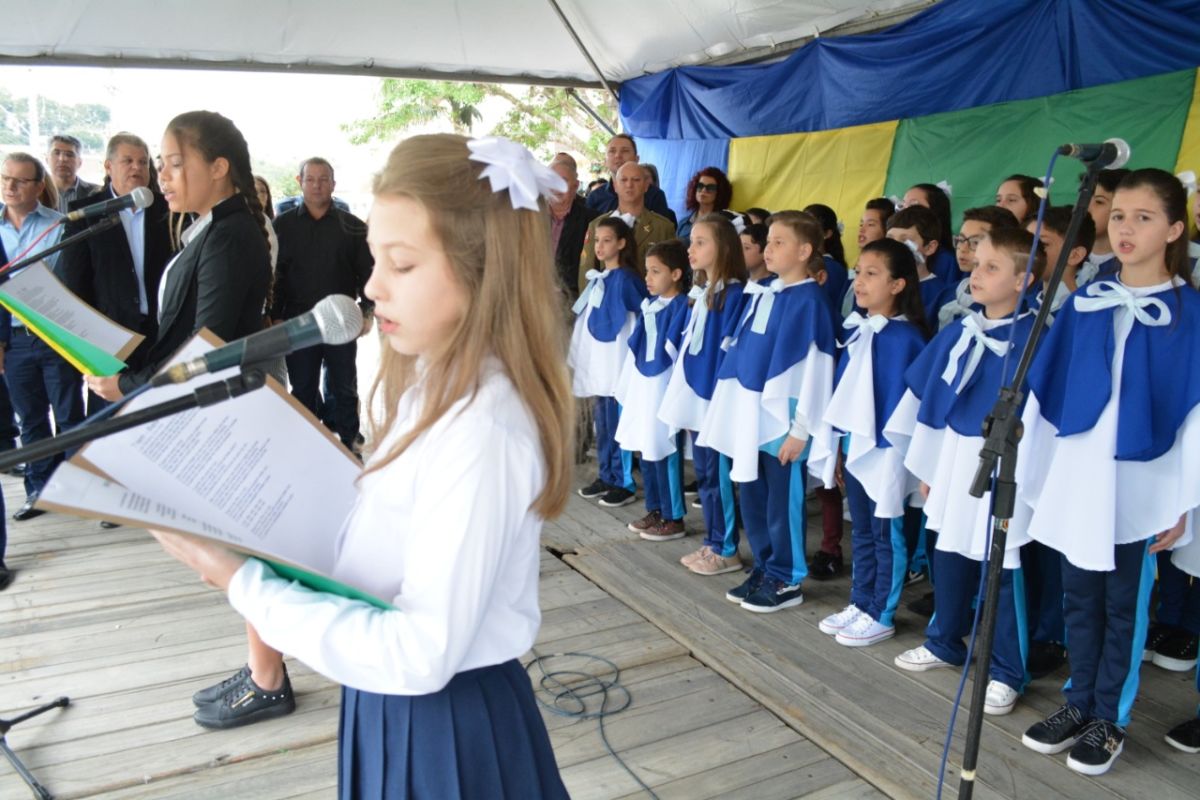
918 256
946 187
897 202
511 166
739 224
627 218
1188 179
1042 191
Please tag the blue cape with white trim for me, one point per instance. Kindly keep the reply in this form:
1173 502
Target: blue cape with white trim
700 370
1160 377
799 318
623 294
964 412
893 349
670 323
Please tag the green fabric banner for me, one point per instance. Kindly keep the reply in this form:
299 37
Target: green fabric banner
976 149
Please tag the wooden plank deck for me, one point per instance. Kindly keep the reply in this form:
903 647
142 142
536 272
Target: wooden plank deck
887 725
108 619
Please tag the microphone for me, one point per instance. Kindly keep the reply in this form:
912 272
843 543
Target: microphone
1110 154
335 320
141 197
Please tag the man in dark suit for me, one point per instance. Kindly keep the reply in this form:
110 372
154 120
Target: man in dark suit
569 218
621 150
117 271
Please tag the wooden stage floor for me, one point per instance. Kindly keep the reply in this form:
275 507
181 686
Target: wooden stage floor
108 619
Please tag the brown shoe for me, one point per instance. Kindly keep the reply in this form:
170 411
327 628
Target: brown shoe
713 563
664 531
645 523
695 555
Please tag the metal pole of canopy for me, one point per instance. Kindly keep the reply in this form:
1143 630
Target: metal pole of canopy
584 105
579 43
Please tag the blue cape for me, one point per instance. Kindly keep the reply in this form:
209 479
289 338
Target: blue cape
670 323
1160 377
799 317
837 280
700 370
892 350
965 412
623 294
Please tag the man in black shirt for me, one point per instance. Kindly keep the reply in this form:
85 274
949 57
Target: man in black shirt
322 251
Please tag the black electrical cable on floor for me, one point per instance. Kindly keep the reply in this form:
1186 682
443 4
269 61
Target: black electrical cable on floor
570 689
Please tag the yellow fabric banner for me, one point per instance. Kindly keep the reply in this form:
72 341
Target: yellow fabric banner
842 168
1189 146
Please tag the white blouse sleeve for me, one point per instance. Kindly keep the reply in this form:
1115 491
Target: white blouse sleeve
472 494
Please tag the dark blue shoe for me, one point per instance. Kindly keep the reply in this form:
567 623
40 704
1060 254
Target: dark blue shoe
748 587
773 595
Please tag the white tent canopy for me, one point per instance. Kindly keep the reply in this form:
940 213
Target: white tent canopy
497 40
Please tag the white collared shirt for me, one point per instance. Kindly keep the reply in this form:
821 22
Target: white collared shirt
445 532
133 220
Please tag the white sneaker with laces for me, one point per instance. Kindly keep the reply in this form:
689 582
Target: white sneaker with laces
1000 698
835 622
920 659
864 631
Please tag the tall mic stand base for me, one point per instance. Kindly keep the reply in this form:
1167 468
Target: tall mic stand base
38 790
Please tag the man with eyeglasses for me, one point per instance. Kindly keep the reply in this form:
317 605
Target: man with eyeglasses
622 150
38 378
322 251
65 159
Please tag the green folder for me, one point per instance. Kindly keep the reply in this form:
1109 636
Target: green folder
82 354
323 583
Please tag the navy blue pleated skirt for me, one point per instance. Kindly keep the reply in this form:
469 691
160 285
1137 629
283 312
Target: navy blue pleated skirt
480 737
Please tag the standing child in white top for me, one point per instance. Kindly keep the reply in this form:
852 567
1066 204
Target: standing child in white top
473 453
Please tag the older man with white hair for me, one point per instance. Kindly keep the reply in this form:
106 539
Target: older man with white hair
648 227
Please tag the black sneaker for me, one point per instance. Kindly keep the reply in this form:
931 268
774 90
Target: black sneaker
825 566
1154 637
245 703
215 692
617 497
1057 732
1185 736
1098 747
691 489
773 595
1045 658
1176 652
747 587
922 605
596 488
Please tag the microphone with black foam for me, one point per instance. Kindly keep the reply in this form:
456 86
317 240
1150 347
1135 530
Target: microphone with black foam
1109 154
141 197
335 320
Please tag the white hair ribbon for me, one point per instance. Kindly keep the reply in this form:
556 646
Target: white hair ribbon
974 339
897 202
918 256
511 166
945 187
1188 179
739 224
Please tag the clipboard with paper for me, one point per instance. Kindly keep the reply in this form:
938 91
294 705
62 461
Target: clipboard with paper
258 473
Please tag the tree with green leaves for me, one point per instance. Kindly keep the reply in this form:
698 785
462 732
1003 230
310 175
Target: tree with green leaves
543 118
86 121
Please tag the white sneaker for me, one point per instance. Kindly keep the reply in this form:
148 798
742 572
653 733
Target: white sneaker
863 631
920 659
835 622
1000 698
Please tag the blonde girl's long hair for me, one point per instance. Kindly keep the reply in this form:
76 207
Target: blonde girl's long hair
502 258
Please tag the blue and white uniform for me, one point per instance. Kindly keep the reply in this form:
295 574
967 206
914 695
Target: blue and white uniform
775 382
653 348
606 313
952 387
707 336
1112 458
869 382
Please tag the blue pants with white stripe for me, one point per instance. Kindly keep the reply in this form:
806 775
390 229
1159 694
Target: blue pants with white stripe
773 513
880 556
716 499
616 465
954 611
663 480
1107 614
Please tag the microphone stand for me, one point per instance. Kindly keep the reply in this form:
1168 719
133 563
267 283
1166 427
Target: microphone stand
111 221
251 377
1002 432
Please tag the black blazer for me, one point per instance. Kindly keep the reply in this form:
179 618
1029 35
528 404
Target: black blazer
100 268
570 244
219 281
